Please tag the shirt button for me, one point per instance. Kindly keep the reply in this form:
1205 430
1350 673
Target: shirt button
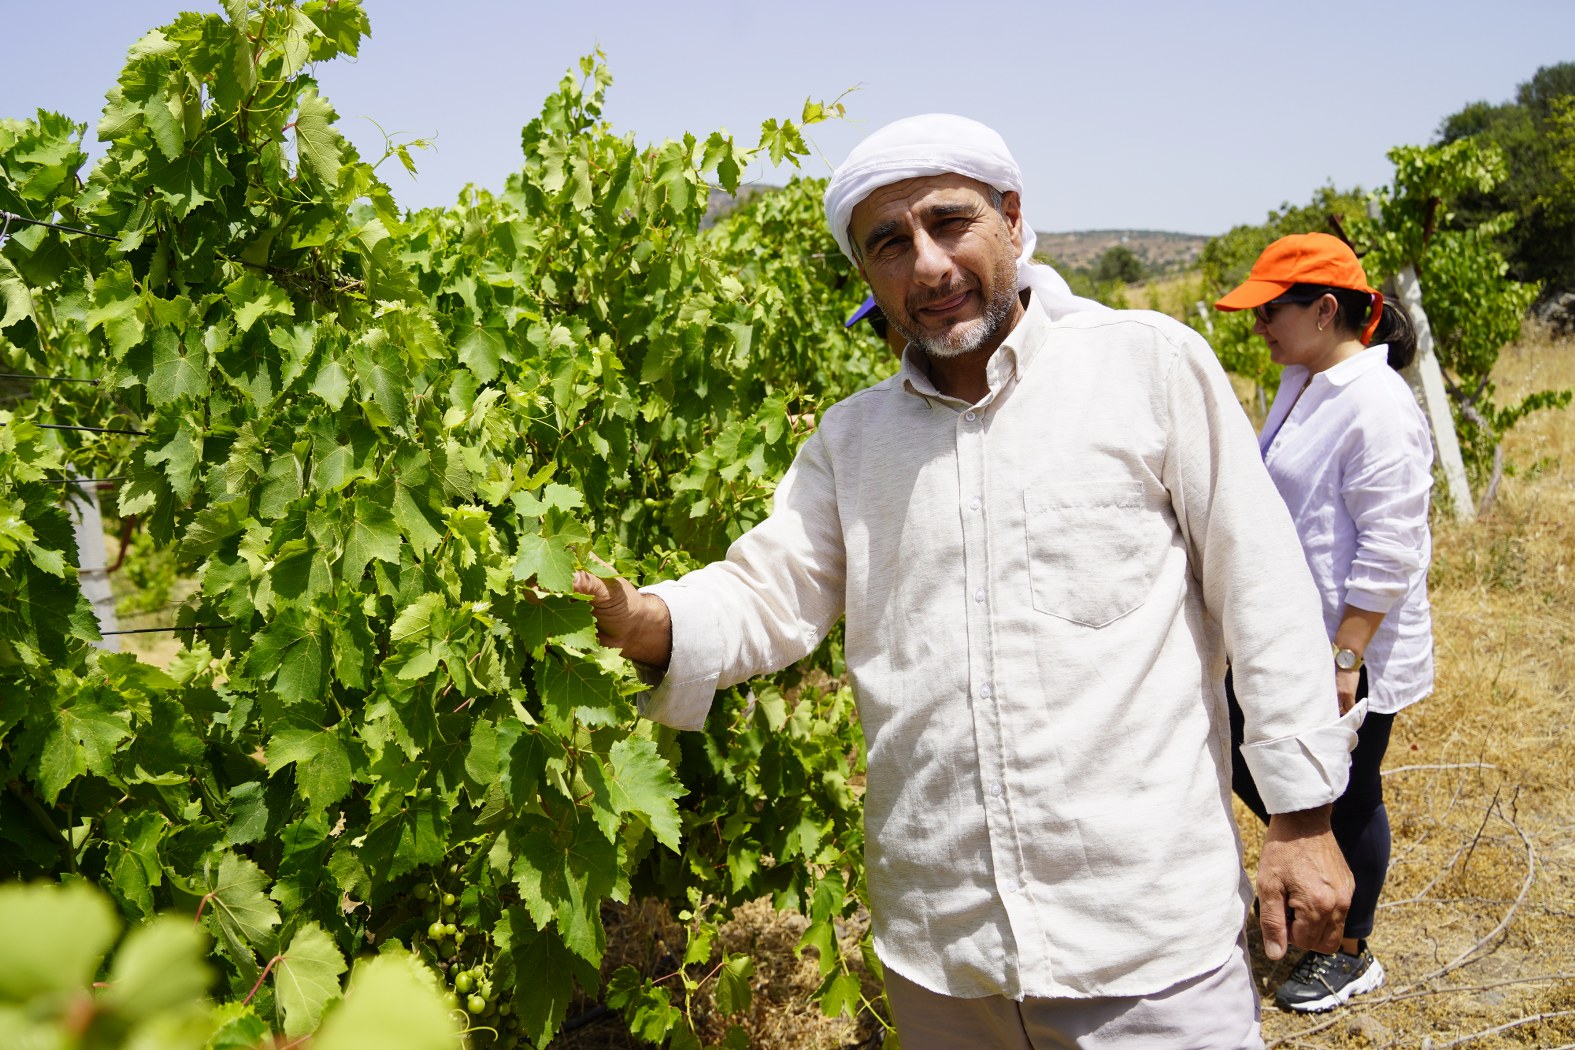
973 504
1009 885
995 790
978 595
984 690
970 416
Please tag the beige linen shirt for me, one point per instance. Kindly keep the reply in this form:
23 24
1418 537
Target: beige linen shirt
1041 590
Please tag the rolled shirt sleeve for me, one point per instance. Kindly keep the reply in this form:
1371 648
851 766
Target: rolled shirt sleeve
1385 484
768 603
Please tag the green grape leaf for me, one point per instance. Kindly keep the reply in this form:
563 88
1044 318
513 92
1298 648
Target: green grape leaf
481 350
322 765
236 896
159 968
319 147
547 561
637 782
332 383
407 835
83 739
539 620
417 619
306 978
545 974
575 688
14 293
821 936
842 995
177 373
237 1027
55 938
392 1001
255 297
373 533
732 984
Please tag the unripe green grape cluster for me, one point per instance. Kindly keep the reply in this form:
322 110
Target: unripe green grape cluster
463 958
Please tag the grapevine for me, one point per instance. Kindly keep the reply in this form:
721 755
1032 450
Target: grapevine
382 443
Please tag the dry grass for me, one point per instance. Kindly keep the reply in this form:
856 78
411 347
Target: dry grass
1477 924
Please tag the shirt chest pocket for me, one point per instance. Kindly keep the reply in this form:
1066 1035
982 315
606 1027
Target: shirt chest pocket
1094 550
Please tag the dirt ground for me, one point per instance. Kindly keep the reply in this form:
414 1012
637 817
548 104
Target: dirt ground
1476 927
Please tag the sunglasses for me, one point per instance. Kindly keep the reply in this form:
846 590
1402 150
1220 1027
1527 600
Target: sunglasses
1266 312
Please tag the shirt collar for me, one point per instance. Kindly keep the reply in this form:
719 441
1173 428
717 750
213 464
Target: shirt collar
1356 365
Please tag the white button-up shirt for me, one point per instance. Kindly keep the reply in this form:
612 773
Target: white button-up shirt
1352 457
1041 590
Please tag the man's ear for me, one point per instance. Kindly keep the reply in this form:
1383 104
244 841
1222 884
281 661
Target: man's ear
1012 212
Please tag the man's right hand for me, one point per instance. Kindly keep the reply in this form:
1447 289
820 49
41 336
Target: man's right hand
636 624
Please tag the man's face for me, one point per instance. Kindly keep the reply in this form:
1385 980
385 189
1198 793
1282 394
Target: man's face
941 261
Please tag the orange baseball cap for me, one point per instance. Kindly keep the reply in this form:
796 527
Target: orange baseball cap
1303 258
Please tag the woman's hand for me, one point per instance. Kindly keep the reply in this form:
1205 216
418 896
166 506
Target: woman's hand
1345 683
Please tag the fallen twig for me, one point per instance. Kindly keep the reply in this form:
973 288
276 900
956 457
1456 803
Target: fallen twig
1517 1023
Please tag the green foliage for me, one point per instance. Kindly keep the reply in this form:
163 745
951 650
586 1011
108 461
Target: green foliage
58 990
1533 133
1473 306
381 443
147 577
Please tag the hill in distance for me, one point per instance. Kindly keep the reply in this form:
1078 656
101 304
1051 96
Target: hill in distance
1158 250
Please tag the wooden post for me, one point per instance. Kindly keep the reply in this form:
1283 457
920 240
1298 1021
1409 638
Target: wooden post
1427 383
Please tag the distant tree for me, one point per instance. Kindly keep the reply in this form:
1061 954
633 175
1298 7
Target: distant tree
1118 263
1536 134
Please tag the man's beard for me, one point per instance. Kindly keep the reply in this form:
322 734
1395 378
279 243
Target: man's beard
969 336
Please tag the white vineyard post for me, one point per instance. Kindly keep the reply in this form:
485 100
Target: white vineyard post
1427 383
92 562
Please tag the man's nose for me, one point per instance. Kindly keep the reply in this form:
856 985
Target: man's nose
932 263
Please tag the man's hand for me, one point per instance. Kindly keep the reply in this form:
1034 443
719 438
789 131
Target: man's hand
637 624
1301 868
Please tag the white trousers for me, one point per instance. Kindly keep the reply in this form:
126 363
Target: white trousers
1217 1011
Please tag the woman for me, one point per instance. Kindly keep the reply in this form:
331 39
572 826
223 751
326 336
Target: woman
1350 452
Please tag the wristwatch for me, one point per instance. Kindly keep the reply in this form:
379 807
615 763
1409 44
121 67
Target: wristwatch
1347 659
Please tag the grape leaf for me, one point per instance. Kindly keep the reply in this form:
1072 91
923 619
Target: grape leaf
318 145
159 968
55 937
322 765
392 1000
306 978
235 894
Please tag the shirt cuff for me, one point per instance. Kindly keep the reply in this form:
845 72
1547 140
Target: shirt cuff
682 696
1307 770
1372 601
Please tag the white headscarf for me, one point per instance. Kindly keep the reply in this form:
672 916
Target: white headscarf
940 144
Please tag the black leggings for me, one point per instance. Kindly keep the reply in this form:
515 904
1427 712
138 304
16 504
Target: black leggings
1359 820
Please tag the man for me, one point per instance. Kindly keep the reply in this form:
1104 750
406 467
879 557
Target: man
1047 533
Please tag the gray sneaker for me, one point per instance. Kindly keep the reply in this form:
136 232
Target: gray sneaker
1322 982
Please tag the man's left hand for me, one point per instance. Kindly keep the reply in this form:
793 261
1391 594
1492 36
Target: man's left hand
1301 869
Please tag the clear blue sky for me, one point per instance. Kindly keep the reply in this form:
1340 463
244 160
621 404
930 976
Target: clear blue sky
1157 114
